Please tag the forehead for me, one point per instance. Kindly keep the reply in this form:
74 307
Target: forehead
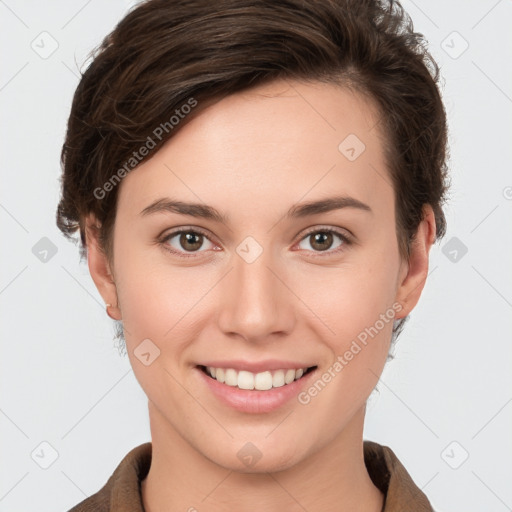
272 144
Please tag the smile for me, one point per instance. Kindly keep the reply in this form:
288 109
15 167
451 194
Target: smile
260 381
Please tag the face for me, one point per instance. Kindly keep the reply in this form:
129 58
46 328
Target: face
264 287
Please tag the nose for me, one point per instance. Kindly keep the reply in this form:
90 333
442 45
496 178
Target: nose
256 304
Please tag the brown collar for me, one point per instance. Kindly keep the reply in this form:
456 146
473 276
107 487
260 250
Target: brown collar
391 477
122 491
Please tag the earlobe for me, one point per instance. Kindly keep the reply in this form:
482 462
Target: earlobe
411 286
99 268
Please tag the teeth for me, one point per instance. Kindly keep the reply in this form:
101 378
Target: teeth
278 379
259 381
262 381
217 373
231 377
289 376
245 380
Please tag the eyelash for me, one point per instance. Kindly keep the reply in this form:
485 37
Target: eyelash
346 239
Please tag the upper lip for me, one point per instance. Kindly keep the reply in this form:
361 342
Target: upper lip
256 366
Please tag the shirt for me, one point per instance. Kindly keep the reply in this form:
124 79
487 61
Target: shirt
122 491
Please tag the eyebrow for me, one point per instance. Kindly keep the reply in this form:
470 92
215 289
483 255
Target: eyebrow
296 211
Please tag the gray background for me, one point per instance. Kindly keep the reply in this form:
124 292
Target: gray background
444 405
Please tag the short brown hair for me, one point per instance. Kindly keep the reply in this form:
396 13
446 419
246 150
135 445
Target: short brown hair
165 52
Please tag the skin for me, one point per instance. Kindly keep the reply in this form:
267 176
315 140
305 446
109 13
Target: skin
252 156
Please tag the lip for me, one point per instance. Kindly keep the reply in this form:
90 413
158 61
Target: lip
254 401
257 366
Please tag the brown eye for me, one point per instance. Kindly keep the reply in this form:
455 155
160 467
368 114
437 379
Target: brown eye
191 241
323 240
185 240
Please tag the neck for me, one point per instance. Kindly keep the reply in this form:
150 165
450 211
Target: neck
334 478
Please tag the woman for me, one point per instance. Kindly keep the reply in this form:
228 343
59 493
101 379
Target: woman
257 186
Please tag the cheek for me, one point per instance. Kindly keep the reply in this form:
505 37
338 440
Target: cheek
157 304
138 287
159 300
361 318
352 298
357 315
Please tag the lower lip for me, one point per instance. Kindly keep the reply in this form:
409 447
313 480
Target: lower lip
252 400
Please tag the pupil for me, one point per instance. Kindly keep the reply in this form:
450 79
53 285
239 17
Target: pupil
322 238
188 238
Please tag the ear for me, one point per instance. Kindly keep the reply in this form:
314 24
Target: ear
414 272
99 267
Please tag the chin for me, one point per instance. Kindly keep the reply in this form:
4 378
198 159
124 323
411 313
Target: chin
251 459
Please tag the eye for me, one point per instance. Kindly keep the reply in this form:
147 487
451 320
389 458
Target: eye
185 240
322 239
191 240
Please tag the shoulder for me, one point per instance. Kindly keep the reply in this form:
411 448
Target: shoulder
122 490
391 477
